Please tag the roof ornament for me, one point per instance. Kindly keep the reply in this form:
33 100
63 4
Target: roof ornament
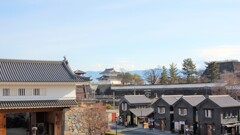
65 60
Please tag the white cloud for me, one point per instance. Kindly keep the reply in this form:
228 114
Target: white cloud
223 52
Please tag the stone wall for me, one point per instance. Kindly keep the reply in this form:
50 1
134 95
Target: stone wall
72 123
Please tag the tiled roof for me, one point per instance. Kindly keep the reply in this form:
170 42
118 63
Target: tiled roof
142 111
171 99
224 101
37 71
108 78
172 86
108 70
137 99
194 100
36 104
79 72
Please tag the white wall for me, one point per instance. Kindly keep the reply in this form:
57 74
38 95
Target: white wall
51 92
109 82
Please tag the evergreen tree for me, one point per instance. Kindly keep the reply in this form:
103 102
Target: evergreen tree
126 78
164 76
212 71
173 72
137 79
189 70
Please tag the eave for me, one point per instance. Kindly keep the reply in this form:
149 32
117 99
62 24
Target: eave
42 83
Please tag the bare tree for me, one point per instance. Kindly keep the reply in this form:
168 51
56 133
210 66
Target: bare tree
94 119
152 75
231 80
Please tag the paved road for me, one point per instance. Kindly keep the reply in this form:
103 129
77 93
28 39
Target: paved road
136 131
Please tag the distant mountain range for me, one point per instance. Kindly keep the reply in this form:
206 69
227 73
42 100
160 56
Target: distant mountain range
95 74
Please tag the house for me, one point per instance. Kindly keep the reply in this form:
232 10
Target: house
134 109
38 90
186 113
218 115
163 112
109 76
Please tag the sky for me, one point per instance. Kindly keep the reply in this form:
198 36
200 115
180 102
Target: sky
128 34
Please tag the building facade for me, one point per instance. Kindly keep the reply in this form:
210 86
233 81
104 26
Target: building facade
219 114
164 113
135 109
186 114
109 76
39 89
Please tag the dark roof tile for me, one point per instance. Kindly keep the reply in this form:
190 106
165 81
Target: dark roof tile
37 71
36 104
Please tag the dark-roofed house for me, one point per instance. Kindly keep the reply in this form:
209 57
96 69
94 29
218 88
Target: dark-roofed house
218 115
163 112
43 89
109 76
186 113
134 109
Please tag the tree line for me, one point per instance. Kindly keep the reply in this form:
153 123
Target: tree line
172 75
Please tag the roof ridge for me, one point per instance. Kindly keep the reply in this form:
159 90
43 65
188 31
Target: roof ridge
30 61
193 96
219 96
170 95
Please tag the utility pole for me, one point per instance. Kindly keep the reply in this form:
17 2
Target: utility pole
114 100
116 124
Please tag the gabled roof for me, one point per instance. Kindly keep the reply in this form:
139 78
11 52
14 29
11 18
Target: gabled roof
108 78
37 71
137 99
224 101
194 100
142 111
108 70
79 72
171 99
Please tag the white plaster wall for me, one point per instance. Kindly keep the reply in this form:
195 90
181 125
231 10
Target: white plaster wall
53 92
110 82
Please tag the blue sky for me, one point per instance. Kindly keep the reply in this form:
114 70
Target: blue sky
129 34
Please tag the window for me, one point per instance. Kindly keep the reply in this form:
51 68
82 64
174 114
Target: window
225 115
208 113
124 106
161 110
36 92
21 92
6 92
182 111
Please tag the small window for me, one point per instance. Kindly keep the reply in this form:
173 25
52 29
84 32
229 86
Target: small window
208 113
6 92
124 106
36 92
182 111
21 92
225 115
161 110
